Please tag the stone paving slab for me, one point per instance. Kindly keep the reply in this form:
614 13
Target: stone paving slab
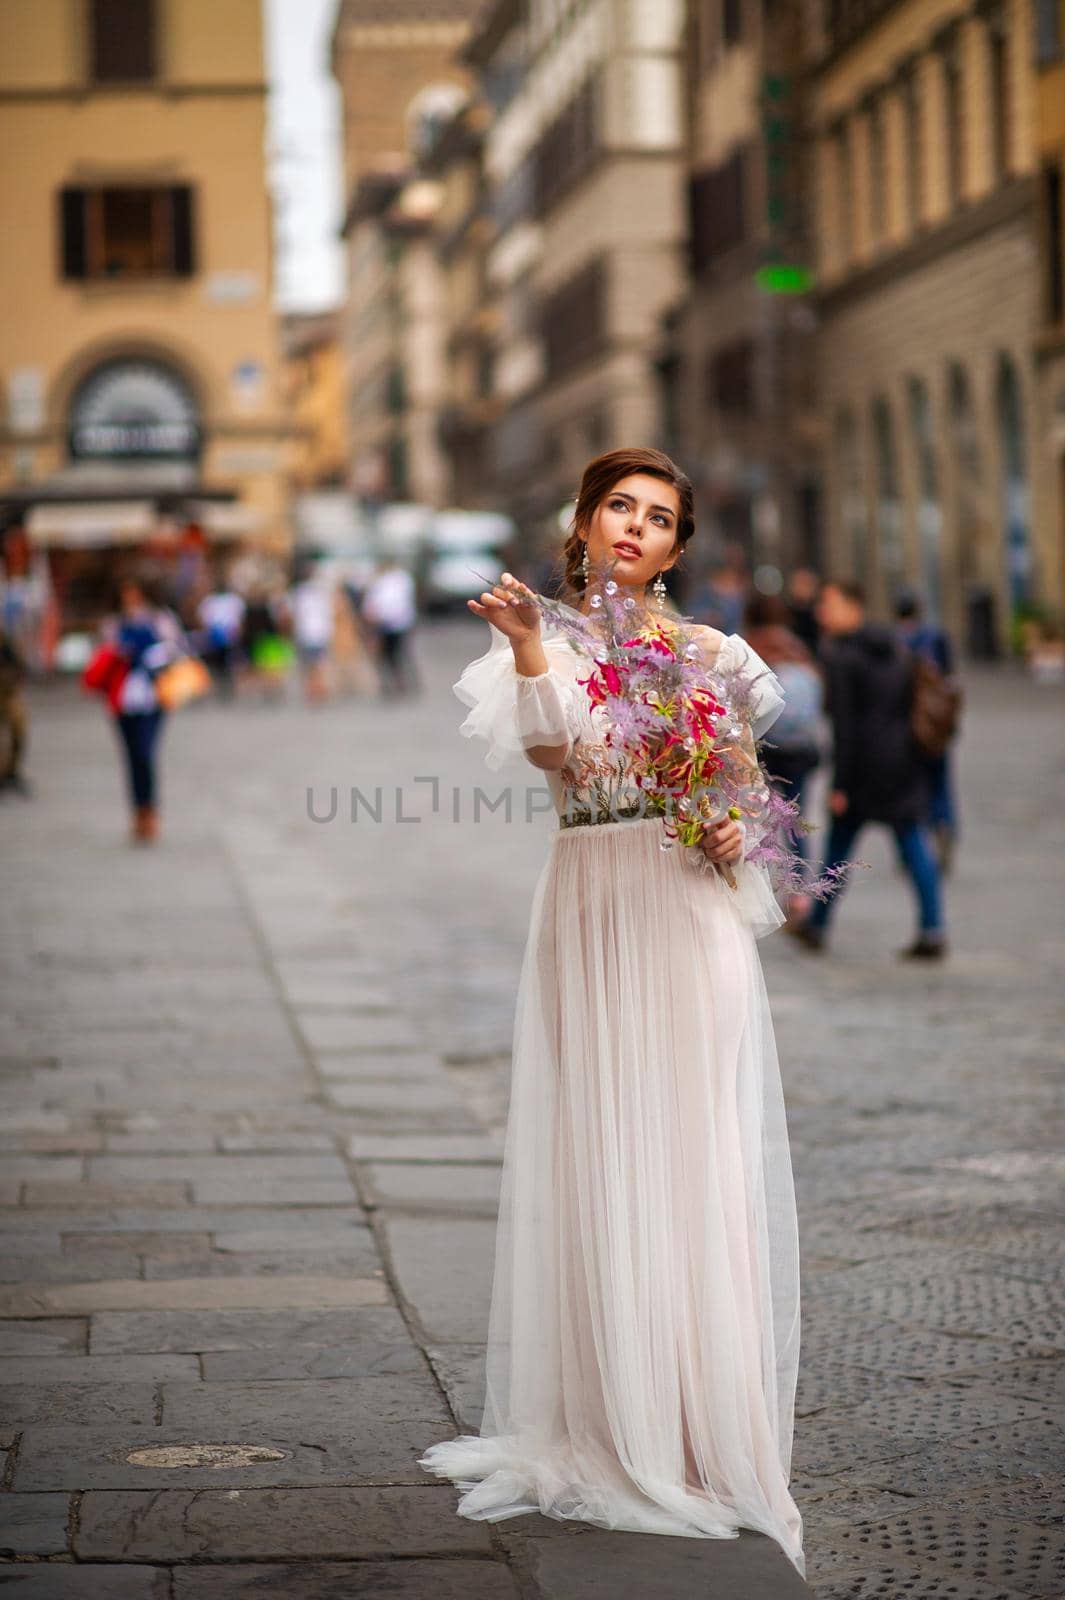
33 1525
177 1331
445 1267
357 1357
53 1581
465 1188
75 1405
181 1294
308 1403
401 1580
44 1337
322 1524
366 1451
428 1147
55 1371
603 1566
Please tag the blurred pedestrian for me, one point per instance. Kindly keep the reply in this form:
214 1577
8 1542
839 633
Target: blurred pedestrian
142 639
879 770
794 750
221 615
722 600
310 605
353 669
926 639
264 645
389 607
803 587
14 719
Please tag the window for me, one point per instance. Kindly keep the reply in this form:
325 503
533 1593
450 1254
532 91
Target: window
844 189
877 171
998 44
730 374
923 439
888 496
716 201
122 41
127 232
731 22
573 319
911 98
952 112
568 149
1016 511
1053 246
1047 32
852 511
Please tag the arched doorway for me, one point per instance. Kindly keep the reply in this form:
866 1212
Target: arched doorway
929 510
1009 415
888 498
131 409
853 519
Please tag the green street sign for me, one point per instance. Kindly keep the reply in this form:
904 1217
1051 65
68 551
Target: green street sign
779 278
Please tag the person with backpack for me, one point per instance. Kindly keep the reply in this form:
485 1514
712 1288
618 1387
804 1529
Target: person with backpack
793 753
939 705
879 767
136 644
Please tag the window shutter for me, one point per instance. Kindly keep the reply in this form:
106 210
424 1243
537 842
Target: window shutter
72 242
182 215
123 41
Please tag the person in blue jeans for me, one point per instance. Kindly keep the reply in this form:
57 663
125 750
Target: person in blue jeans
925 638
150 637
879 773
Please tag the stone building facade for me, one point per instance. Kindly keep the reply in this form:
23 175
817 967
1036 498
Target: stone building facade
139 355
923 118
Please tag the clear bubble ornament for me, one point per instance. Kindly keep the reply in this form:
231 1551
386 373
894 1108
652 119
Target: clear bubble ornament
596 601
611 587
629 604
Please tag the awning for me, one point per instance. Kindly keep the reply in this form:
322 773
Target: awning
91 525
224 519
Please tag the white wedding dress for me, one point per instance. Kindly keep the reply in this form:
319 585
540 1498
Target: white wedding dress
643 1339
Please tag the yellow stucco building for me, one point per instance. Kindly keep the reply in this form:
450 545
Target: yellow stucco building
139 350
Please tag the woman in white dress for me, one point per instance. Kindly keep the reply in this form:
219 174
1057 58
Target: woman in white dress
644 1329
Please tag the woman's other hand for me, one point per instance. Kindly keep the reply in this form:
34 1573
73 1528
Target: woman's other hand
723 842
503 608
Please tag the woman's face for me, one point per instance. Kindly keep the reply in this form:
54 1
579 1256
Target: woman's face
635 526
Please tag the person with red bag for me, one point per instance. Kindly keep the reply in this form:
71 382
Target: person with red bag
135 646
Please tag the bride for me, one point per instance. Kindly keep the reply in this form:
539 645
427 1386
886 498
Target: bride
644 1330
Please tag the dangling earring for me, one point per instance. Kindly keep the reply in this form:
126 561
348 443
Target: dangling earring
658 589
585 568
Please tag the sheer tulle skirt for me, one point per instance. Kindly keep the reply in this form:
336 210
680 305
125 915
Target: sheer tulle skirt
644 1331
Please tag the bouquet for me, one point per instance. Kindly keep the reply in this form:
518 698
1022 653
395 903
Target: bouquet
682 730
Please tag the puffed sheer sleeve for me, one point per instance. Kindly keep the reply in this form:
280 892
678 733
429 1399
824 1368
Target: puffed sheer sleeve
514 714
767 693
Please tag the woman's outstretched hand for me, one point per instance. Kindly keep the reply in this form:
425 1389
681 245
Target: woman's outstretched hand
503 608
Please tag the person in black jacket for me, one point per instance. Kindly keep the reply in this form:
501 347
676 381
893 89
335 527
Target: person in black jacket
879 772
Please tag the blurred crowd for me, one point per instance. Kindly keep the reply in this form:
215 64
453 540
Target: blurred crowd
236 638
876 707
873 706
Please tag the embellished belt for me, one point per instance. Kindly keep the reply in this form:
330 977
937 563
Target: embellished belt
586 818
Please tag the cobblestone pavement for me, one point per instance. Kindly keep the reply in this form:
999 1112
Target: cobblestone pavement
252 1099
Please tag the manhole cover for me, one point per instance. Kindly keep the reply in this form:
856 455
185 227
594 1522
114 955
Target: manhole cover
204 1455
